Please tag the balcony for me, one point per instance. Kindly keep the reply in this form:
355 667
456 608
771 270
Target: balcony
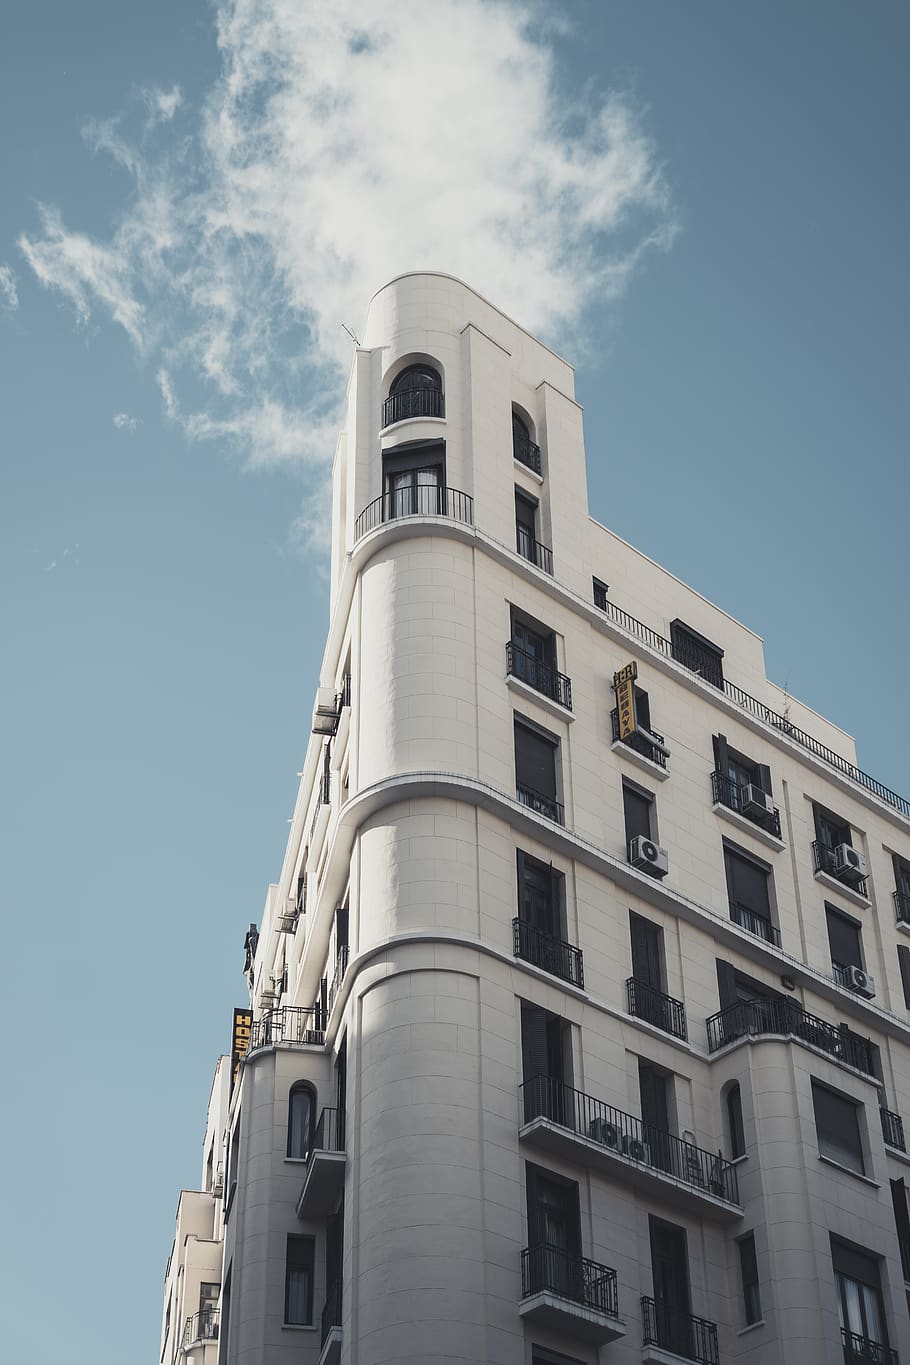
823 861
754 923
325 1167
638 742
902 907
893 1130
586 1132
737 798
202 1326
756 1018
681 1334
526 668
422 500
341 966
569 1294
525 450
656 1008
422 401
530 548
547 952
290 1025
860 1350
541 803
330 1326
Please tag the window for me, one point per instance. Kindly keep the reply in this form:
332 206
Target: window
845 941
902 1223
233 1164
653 1090
638 811
298 1282
693 651
830 831
535 770
744 786
540 895
837 1126
524 450
527 544
857 1279
902 889
748 889
600 594
301 1107
414 480
903 959
415 392
553 1214
531 656
546 1064
733 1104
225 1317
541 1357
748 1267
642 737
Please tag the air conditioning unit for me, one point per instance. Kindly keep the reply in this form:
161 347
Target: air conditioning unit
325 716
855 979
848 863
637 1150
648 856
755 801
287 923
603 1131
218 1183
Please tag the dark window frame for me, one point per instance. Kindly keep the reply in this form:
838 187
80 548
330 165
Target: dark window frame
685 640
748 1270
639 793
524 723
423 370
299 1257
845 927
733 1110
300 1088
840 1132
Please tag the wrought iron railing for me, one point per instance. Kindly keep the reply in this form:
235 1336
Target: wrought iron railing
823 861
550 1269
202 1326
860 1350
341 966
752 1018
541 803
418 402
893 1129
331 1313
289 1024
522 664
754 923
710 1172
732 795
530 548
526 451
638 742
683 1334
698 658
656 1008
328 1135
421 500
551 954
902 907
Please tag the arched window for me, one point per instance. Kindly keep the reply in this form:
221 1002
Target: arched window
301 1104
523 448
416 392
735 1121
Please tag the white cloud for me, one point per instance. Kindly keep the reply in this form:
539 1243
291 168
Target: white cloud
9 294
340 146
123 422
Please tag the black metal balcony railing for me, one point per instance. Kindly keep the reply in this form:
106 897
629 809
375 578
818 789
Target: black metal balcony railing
732 795
551 954
341 966
525 666
893 1129
823 861
657 1008
711 1172
289 1024
526 451
638 742
530 548
902 907
328 1135
751 1018
202 1326
421 500
698 658
418 402
331 1313
550 1269
683 1334
860 1350
754 923
541 803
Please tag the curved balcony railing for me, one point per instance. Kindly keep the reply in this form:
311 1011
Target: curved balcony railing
202 1326
288 1024
550 1269
752 1018
420 500
732 794
524 665
656 1008
638 742
682 1334
419 402
860 1350
541 803
547 952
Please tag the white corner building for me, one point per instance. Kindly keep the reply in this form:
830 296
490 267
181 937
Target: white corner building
579 1028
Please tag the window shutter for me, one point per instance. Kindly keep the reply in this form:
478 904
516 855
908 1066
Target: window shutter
763 773
721 761
903 957
534 1061
726 984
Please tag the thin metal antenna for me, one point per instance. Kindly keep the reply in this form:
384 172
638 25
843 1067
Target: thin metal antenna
350 334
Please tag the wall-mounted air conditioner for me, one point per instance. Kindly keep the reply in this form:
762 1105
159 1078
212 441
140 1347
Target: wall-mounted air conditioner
648 856
637 1150
848 863
755 801
855 979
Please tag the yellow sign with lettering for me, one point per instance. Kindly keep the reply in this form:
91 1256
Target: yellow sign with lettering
624 687
240 1041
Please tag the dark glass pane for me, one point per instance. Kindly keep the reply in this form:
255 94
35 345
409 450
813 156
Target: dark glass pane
535 762
637 812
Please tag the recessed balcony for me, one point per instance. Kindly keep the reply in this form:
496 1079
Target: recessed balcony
525 451
325 1168
902 907
547 952
749 801
860 1350
666 1331
531 549
421 401
758 1018
289 1025
586 1132
637 742
826 863
330 1327
656 1008
570 1294
201 1327
527 668
420 500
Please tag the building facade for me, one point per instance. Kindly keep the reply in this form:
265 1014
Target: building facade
579 1019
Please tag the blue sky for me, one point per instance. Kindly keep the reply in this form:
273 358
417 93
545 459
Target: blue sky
703 205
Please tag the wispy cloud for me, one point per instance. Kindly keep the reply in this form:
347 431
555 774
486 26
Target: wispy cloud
123 422
9 294
335 151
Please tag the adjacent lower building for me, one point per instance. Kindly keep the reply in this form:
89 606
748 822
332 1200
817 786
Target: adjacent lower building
579 1020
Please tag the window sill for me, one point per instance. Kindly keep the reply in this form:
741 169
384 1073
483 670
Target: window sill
903 926
748 826
848 1170
526 469
752 1326
532 694
626 751
298 1327
410 422
295 1161
843 889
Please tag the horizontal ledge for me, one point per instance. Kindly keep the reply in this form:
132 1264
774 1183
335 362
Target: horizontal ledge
842 889
540 698
659 773
748 826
